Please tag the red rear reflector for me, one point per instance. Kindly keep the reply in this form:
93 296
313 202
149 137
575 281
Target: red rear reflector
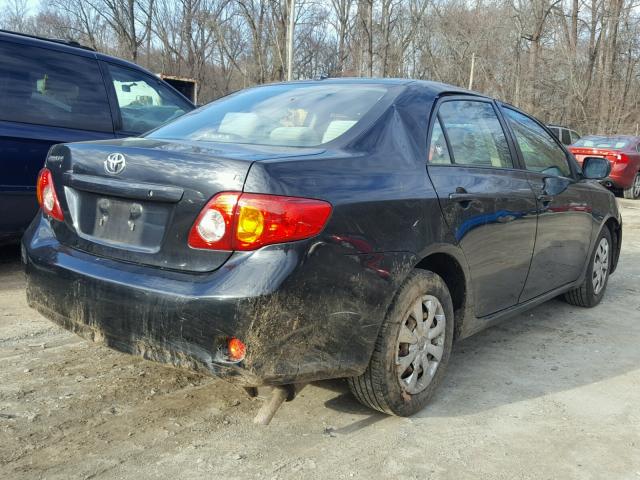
236 349
247 221
46 194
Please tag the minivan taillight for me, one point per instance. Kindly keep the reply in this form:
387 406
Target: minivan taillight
46 194
247 221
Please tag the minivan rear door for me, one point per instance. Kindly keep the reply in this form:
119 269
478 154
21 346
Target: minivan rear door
47 96
488 204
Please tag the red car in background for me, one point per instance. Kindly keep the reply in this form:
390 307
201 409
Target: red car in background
623 152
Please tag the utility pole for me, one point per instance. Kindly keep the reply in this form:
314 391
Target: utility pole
473 66
292 24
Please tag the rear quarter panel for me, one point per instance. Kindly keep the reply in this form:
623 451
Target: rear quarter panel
385 218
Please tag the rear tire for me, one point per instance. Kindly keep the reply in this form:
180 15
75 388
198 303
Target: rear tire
422 345
590 293
633 191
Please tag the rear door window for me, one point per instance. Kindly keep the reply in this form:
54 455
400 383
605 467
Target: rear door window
539 150
475 135
144 102
566 137
47 87
438 150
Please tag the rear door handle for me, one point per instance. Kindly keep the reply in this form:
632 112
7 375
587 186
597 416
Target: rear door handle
463 197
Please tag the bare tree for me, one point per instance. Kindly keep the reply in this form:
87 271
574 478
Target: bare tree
570 61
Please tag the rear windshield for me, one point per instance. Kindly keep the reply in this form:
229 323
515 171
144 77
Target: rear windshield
282 115
612 143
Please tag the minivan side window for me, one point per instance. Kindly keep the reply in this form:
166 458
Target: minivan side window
46 87
438 150
540 151
566 138
475 135
144 102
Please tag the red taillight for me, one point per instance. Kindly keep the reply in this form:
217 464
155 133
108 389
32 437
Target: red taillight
236 349
46 194
247 221
212 228
622 158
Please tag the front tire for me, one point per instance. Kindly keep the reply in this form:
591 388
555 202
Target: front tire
412 349
590 293
633 191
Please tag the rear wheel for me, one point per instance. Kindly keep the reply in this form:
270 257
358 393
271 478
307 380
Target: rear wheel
412 349
590 293
633 191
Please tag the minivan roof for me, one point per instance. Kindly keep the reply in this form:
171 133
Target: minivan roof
68 47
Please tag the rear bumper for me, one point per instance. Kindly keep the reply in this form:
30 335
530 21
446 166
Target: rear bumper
622 175
300 318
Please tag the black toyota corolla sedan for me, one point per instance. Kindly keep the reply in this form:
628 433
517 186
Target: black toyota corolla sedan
326 229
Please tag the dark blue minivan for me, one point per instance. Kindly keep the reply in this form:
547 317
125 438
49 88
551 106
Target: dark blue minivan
56 92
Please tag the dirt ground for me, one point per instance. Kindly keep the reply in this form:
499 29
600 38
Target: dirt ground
551 394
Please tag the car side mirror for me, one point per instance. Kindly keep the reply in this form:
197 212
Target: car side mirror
595 168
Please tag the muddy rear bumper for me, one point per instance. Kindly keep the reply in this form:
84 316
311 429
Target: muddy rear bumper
301 321
161 319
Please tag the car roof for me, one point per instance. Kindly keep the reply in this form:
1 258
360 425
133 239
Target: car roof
66 46
435 88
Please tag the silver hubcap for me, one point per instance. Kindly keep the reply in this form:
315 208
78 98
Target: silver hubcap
636 186
600 266
420 344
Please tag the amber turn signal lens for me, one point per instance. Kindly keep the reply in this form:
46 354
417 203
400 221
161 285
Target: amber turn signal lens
236 349
250 224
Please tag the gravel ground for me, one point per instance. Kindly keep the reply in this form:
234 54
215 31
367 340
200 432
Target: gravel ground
553 393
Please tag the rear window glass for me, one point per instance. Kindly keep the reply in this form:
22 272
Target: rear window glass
282 115
603 142
47 87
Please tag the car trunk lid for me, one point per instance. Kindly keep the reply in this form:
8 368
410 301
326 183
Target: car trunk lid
143 212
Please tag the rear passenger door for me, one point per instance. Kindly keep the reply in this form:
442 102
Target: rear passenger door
47 96
563 203
487 202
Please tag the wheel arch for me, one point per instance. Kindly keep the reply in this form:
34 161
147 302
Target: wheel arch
451 266
615 229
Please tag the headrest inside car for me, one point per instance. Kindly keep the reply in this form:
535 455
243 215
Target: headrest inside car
298 136
239 123
337 128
